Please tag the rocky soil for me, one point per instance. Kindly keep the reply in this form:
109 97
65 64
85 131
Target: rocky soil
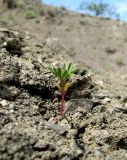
95 120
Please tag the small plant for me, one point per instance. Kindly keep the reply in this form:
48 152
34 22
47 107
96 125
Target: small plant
120 63
30 14
63 73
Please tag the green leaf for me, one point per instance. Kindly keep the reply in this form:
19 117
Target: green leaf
56 72
69 67
63 72
59 72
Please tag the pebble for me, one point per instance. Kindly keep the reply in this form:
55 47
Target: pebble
4 103
35 107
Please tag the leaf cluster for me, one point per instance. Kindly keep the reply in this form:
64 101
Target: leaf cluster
100 8
63 72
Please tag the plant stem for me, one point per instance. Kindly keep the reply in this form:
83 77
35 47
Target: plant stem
62 103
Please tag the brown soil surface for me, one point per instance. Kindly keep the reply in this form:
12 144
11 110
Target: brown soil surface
94 124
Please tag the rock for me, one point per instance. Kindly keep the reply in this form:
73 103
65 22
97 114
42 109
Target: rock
81 87
83 103
61 130
13 46
41 145
13 42
4 103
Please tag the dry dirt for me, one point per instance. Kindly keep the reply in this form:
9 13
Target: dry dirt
94 124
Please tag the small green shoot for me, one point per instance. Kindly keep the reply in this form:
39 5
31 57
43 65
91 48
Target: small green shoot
63 73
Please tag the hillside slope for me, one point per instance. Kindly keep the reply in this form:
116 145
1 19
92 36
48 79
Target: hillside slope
99 42
95 122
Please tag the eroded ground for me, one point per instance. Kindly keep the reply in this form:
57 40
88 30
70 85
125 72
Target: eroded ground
94 126
95 122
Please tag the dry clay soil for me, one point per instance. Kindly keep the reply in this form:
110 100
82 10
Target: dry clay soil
94 126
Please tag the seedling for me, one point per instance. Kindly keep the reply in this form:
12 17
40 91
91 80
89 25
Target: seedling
63 73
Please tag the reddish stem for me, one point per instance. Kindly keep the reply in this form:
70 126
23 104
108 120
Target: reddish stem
62 103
